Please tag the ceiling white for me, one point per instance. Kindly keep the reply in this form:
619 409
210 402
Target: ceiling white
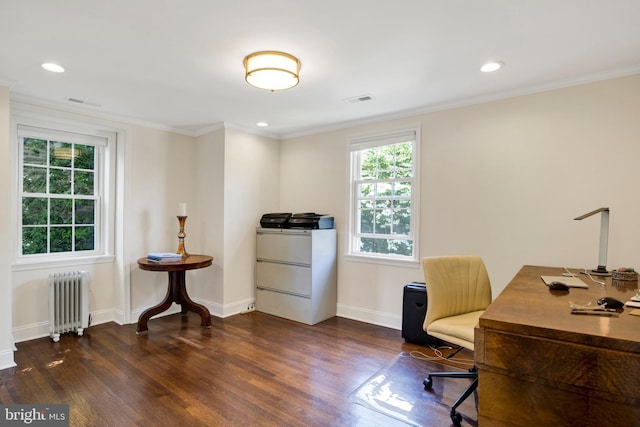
178 64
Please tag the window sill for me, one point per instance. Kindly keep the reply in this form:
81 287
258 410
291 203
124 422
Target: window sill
26 265
382 260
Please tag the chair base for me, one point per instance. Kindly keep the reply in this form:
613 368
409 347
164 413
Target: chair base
456 418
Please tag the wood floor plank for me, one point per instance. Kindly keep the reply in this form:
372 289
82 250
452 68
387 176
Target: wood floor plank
246 370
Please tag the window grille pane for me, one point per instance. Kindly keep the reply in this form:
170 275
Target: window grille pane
84 238
85 212
401 204
366 221
60 181
34 179
366 204
366 190
35 151
386 247
34 211
61 211
383 204
402 189
60 154
83 183
402 222
61 239
382 222
86 157
368 164
404 157
34 240
383 189
400 247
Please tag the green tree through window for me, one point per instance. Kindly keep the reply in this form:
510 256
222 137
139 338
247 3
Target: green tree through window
59 196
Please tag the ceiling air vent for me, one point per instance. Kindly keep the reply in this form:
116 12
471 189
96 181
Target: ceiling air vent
356 99
82 101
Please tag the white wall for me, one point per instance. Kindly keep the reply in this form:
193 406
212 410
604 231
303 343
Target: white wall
237 181
6 235
502 179
162 176
251 188
209 186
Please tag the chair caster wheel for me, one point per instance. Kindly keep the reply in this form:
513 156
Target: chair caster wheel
428 382
456 418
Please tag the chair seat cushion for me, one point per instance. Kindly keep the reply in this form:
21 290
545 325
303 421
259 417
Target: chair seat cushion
457 330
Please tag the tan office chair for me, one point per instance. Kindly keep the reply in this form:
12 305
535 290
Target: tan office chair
458 292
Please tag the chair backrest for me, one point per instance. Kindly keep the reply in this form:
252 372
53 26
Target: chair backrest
455 285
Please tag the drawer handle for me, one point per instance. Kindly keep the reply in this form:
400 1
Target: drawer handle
278 291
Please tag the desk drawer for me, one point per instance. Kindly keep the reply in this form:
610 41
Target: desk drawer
559 383
610 373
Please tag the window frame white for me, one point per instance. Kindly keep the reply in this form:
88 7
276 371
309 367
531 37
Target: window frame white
357 144
105 141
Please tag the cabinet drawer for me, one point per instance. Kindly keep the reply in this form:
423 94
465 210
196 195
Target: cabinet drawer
295 279
284 305
292 248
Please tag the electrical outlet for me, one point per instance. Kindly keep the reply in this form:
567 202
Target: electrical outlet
251 307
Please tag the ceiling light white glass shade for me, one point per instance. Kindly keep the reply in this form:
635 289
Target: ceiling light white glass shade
272 70
491 66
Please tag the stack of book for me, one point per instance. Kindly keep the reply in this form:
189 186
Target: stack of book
163 257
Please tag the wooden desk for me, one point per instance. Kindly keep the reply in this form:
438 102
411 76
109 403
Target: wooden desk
177 291
540 365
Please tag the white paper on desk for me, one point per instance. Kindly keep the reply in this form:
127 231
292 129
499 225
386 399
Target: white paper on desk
572 282
632 304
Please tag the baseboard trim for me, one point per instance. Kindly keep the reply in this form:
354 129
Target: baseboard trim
6 359
41 329
379 318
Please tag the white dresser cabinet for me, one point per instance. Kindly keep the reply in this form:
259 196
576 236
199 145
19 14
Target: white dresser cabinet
296 274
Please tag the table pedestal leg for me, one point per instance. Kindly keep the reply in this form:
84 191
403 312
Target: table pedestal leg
177 292
182 298
150 312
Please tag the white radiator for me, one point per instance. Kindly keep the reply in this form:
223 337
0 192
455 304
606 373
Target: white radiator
68 303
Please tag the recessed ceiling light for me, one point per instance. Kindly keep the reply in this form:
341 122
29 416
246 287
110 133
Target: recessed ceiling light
262 124
55 68
491 66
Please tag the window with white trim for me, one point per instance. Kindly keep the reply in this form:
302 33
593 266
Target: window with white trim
63 193
384 196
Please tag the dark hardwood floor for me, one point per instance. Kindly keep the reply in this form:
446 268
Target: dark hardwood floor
247 370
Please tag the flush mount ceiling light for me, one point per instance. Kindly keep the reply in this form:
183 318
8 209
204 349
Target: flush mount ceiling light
55 68
271 70
491 66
